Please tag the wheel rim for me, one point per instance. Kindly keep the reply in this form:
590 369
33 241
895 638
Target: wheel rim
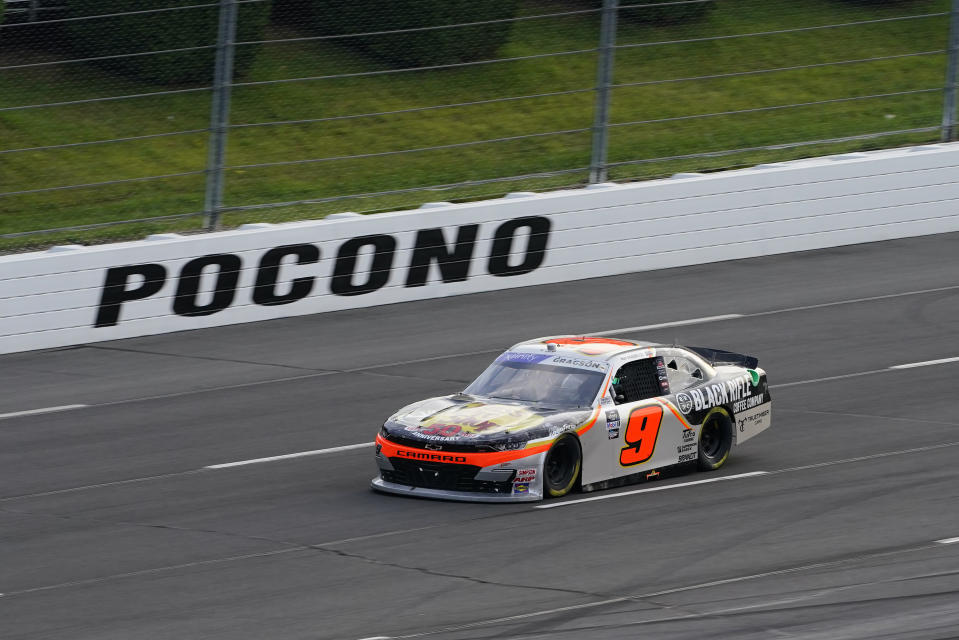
560 464
711 439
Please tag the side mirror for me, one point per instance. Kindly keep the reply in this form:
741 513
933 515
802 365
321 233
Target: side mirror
619 398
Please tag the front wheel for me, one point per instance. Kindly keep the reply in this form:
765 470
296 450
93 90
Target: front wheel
562 466
715 439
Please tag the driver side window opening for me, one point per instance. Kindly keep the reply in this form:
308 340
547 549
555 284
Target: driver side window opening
682 372
636 381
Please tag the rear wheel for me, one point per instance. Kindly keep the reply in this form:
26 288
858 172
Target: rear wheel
561 469
715 439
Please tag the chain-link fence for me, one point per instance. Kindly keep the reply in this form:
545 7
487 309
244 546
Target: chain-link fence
123 117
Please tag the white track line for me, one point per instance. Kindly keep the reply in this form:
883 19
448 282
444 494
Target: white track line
99 485
288 456
155 570
873 456
650 327
666 325
948 541
651 489
897 367
33 412
828 378
808 307
927 363
349 447
316 452
836 303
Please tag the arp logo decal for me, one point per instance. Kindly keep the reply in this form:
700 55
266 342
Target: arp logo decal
506 258
684 402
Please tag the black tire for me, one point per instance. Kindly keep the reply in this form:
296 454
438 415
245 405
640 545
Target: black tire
715 439
562 466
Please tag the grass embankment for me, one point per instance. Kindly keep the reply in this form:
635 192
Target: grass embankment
41 169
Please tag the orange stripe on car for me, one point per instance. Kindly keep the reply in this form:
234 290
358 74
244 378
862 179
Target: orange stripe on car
589 425
484 459
591 340
675 413
392 450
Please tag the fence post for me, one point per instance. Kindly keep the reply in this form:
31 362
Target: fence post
219 114
604 78
952 77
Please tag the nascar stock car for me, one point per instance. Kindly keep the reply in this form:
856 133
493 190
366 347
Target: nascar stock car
553 414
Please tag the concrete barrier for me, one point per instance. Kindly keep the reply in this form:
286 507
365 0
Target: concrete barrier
74 295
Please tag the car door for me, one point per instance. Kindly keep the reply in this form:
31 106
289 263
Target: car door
685 371
643 431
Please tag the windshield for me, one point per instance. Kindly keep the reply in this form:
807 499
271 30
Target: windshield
541 379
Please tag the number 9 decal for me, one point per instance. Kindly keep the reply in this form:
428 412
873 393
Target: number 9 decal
641 432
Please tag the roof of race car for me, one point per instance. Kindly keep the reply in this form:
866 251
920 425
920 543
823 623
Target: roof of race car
594 346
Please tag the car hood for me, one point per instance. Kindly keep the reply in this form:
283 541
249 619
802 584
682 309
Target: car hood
474 420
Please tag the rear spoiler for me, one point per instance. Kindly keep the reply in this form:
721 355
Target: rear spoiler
718 356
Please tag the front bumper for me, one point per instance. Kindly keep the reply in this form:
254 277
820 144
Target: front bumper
513 476
379 484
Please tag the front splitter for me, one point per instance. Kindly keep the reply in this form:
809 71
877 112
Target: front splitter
379 484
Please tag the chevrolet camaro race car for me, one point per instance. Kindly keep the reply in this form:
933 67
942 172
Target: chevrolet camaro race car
553 414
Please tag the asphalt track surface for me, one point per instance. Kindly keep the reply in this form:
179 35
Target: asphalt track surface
111 526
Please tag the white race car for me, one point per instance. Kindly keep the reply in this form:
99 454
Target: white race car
554 414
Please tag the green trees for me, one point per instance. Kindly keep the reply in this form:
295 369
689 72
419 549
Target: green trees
192 32
398 31
669 13
410 48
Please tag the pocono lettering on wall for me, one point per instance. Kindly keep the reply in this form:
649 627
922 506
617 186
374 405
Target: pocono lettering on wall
128 283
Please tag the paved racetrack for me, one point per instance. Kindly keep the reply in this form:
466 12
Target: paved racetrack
111 527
